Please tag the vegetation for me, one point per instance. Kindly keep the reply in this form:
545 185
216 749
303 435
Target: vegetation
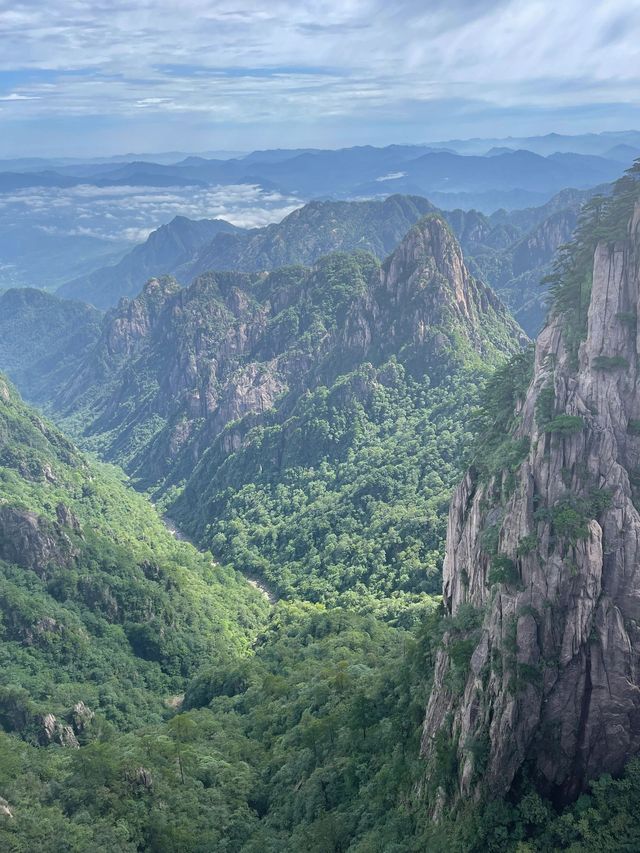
345 501
610 362
495 420
565 425
214 722
98 602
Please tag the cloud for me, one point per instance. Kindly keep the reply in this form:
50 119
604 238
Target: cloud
129 214
15 96
293 69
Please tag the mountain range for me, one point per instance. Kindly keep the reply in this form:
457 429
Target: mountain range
181 377
510 251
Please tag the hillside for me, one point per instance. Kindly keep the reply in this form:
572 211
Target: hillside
43 339
97 600
165 250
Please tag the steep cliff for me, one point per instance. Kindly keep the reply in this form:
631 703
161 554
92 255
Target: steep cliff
539 667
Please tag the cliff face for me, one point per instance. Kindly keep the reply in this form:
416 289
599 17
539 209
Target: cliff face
542 568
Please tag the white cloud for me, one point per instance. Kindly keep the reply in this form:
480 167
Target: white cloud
129 214
15 96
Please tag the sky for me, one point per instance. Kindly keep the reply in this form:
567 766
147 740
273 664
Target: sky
95 78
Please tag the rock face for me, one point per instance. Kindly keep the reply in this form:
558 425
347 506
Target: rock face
53 730
554 675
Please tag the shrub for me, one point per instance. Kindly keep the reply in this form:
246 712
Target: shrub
565 425
633 426
489 539
527 544
545 405
571 515
503 570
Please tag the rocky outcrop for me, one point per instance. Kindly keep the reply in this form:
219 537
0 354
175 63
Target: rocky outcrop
53 730
81 717
33 542
542 568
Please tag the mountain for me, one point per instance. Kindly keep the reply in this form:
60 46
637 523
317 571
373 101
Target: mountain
398 366
178 375
582 143
516 264
537 675
312 231
522 170
511 252
165 249
307 423
357 172
43 339
301 238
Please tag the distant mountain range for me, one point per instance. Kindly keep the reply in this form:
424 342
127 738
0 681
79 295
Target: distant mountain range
62 220
506 177
604 144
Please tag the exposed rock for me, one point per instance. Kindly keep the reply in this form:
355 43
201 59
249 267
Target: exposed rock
30 541
54 731
81 717
66 518
5 808
554 677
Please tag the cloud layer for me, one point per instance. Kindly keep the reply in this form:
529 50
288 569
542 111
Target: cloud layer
129 214
201 74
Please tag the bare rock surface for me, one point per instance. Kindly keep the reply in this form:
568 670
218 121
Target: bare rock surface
554 678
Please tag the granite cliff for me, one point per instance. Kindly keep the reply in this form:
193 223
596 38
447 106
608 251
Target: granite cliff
538 673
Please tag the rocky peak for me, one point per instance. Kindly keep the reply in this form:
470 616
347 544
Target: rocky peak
133 319
542 568
429 256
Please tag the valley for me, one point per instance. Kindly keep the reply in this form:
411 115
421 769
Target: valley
310 539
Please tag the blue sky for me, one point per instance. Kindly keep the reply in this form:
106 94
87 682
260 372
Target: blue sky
108 76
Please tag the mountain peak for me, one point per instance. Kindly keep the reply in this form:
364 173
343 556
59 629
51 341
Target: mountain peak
428 280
